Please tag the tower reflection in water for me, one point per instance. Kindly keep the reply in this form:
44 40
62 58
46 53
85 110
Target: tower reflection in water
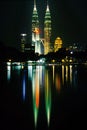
36 92
42 78
48 95
35 75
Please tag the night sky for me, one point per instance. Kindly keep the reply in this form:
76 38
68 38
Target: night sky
69 20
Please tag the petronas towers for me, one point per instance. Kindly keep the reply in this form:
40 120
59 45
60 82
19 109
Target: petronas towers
37 41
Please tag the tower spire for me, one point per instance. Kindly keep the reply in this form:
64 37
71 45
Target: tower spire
47 6
34 4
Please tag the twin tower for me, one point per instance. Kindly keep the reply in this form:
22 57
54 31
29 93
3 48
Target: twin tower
37 41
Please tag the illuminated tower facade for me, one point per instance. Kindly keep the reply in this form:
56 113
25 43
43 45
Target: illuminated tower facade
47 30
58 44
35 30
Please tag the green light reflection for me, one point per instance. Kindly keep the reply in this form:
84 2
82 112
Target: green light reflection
47 97
35 93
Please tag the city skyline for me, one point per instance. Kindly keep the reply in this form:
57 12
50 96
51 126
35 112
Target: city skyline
68 20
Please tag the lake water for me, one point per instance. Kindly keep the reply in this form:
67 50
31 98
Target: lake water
43 97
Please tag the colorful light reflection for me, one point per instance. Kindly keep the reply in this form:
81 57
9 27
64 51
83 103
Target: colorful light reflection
47 97
35 93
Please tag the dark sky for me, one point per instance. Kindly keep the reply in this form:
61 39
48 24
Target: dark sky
69 20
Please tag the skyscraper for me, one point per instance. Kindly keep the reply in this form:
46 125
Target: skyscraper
36 40
47 30
35 29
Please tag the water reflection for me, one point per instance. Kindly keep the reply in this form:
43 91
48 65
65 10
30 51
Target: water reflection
53 72
30 72
35 92
8 72
44 79
39 77
24 85
69 75
70 67
58 79
63 74
48 95
66 73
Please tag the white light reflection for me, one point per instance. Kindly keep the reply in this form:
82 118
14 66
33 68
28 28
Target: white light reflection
63 74
9 62
66 73
70 74
53 72
30 72
41 75
8 72
33 81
